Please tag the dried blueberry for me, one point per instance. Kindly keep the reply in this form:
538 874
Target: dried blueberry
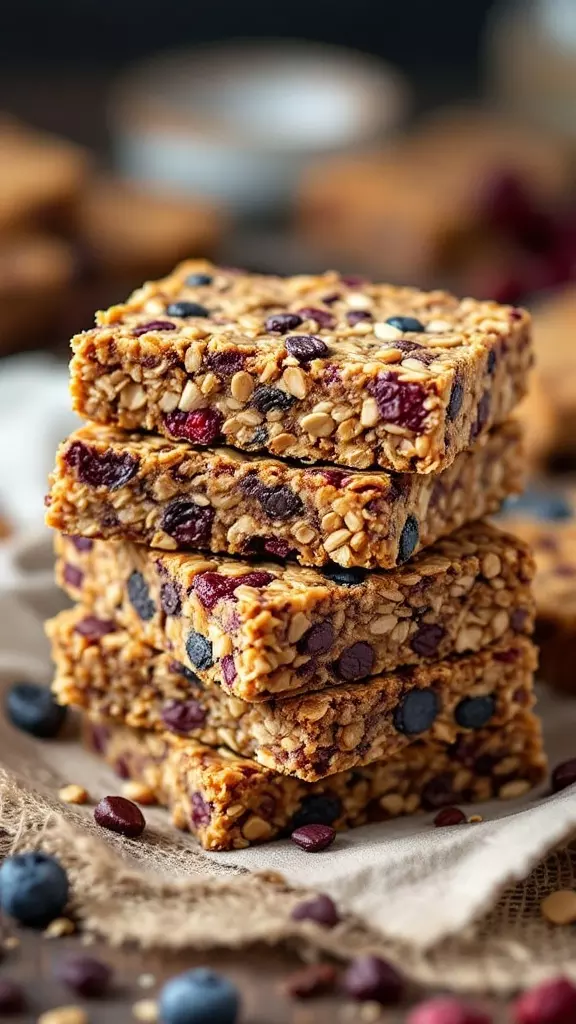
73 576
33 888
181 670
356 662
101 469
189 524
197 280
32 709
318 639
225 362
475 712
153 325
406 323
93 628
318 808
408 539
199 650
399 402
199 996
259 438
417 712
170 600
267 398
456 399
202 426
426 639
201 810
139 596
281 323
344 577
305 347
481 416
278 502
183 716
185 309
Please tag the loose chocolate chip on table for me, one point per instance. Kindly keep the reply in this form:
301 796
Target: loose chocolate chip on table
196 280
188 523
139 596
356 662
12 998
318 807
32 709
281 323
311 981
475 712
449 816
417 711
170 600
321 909
456 399
185 309
199 996
344 577
33 888
564 775
318 639
118 814
551 1002
101 469
183 716
408 539
305 347
369 978
426 639
266 399
199 650
85 975
313 838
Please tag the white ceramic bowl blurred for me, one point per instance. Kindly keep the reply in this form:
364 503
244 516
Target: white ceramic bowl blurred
239 121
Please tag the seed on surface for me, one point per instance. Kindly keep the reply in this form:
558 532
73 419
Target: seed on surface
59 927
145 1010
73 794
449 816
559 907
120 815
139 793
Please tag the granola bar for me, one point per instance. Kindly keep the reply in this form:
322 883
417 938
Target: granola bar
229 802
260 629
315 368
168 495
101 668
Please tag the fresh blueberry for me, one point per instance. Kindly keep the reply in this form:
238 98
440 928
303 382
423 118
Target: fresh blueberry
199 650
32 708
199 997
417 712
140 596
185 309
475 712
317 809
344 577
404 323
540 505
33 888
196 280
408 539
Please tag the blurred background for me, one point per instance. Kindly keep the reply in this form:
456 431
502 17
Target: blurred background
423 143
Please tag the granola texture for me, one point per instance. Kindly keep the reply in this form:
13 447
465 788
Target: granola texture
309 367
101 668
167 495
229 802
260 629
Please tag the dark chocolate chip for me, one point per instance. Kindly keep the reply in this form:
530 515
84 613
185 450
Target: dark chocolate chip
279 502
356 662
120 815
344 577
475 712
408 539
305 347
318 639
417 712
281 323
140 596
199 650
426 639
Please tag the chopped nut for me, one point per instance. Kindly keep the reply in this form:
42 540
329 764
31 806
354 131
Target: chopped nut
73 794
256 828
58 927
242 386
145 1010
140 793
514 789
318 424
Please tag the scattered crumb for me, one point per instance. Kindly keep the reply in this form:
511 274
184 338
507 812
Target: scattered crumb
73 794
146 981
58 927
474 819
145 1010
64 1015
139 793
11 942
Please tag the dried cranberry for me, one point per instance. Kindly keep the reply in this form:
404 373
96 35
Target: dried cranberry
447 1010
355 662
184 309
73 576
267 398
322 317
93 628
551 1002
170 599
408 539
438 792
202 426
318 807
357 316
449 816
212 587
334 477
189 524
399 402
281 323
456 399
564 775
183 716
321 909
225 363
228 669
426 639
369 978
417 712
120 815
82 543
139 596
276 546
305 347
331 374
313 838
85 975
201 810
318 639
101 469
153 325
475 712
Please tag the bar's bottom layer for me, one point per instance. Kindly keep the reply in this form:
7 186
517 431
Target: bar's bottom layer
229 802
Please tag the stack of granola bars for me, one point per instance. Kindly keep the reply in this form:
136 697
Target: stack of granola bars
312 625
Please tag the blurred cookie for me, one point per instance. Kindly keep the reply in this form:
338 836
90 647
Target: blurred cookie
538 417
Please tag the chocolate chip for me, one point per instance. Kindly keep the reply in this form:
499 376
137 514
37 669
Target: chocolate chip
417 712
408 539
185 309
279 502
183 716
449 816
199 650
305 347
456 399
120 815
197 280
139 596
426 639
266 399
475 712
281 323
406 323
321 909
170 598
313 838
356 662
318 807
311 981
344 577
318 639
85 975
369 978
564 775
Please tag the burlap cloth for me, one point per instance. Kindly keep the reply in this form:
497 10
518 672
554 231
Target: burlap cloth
455 907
